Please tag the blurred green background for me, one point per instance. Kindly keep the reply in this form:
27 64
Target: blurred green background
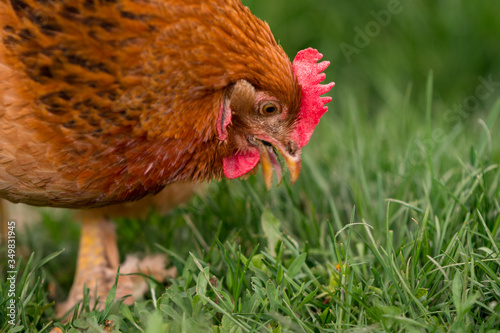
458 40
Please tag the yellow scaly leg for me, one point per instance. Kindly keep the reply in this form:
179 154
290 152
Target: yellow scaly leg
97 261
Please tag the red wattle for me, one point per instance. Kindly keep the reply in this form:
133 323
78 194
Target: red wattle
240 163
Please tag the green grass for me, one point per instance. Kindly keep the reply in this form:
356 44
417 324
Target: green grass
392 226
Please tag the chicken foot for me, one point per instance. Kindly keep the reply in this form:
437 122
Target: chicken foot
97 265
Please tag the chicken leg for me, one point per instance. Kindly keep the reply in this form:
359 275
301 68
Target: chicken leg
98 256
97 262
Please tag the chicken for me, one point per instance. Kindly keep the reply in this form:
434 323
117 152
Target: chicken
105 102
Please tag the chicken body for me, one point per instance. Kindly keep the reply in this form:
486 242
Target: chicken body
103 102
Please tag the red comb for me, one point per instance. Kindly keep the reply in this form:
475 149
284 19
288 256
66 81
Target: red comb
312 106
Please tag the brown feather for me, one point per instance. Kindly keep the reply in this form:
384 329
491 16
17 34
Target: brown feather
105 102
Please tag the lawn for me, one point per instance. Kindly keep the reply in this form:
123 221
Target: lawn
393 225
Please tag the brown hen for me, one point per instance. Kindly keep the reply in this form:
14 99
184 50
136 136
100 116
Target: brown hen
105 102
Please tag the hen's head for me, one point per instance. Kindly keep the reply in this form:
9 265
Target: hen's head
262 123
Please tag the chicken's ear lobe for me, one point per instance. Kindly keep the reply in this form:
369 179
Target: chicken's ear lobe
224 118
240 98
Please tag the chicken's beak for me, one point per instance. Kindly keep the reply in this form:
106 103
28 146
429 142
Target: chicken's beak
269 160
294 167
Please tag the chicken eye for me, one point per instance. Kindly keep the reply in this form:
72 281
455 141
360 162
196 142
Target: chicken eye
269 109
